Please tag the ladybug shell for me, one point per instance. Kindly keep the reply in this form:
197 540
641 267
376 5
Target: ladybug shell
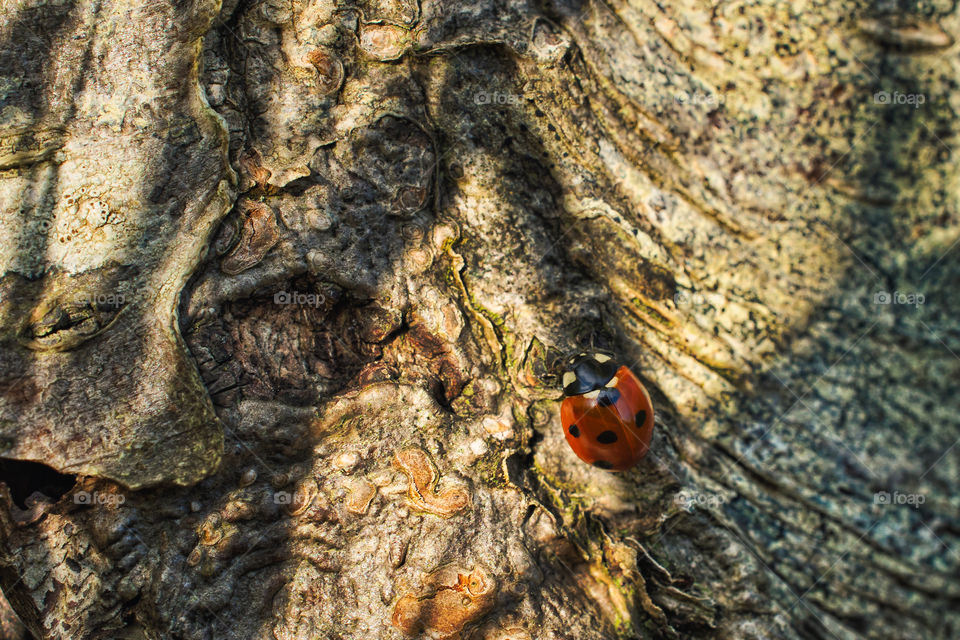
610 427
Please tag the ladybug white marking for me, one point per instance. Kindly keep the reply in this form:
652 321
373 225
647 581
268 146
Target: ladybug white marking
568 378
613 382
599 357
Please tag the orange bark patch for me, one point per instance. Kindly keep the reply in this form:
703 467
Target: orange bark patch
423 494
455 599
257 236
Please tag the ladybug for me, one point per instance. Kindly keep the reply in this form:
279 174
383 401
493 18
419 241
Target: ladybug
606 413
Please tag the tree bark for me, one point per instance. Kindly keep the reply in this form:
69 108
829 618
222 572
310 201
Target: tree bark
282 286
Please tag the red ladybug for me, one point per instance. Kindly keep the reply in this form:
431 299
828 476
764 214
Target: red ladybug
607 416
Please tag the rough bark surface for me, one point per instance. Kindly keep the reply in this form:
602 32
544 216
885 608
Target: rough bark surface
281 283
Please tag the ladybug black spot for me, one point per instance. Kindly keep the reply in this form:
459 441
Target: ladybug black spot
607 437
608 397
640 418
602 464
574 431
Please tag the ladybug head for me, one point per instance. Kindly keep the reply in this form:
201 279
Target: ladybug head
587 371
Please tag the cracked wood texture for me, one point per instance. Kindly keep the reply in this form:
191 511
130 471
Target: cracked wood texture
282 283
